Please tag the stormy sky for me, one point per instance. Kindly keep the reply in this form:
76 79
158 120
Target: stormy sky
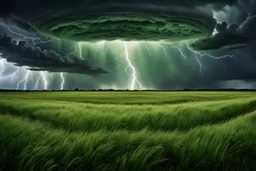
121 44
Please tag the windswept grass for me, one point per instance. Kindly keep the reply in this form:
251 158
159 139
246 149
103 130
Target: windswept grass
208 131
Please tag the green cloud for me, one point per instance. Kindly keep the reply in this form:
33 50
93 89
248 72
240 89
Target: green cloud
128 26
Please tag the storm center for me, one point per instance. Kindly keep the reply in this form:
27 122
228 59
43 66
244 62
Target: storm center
127 27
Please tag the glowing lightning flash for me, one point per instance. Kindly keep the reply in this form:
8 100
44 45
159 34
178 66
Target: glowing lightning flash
33 39
198 54
249 16
25 80
165 52
37 82
211 56
44 76
63 81
80 49
134 77
176 47
2 67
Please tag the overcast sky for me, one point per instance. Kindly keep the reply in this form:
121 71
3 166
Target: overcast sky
153 44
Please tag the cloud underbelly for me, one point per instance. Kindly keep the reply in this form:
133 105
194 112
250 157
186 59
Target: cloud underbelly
127 26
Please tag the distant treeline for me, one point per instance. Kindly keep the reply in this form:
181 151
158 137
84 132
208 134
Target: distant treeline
122 90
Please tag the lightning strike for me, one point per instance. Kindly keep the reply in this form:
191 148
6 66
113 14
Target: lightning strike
44 77
209 55
165 52
178 48
42 74
2 67
200 64
249 16
25 80
29 38
80 49
63 81
198 54
134 77
37 82
147 48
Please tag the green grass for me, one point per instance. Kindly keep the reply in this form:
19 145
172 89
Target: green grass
128 131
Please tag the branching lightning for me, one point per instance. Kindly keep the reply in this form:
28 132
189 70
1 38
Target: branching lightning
178 48
165 52
249 16
135 83
209 55
198 54
25 80
33 39
134 80
43 75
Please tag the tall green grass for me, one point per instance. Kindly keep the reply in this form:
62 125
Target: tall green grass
72 135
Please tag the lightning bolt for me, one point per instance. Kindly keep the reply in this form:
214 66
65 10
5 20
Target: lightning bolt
43 75
146 48
2 65
33 39
63 81
134 80
200 64
38 79
249 16
209 55
198 54
71 53
165 52
178 48
80 49
25 80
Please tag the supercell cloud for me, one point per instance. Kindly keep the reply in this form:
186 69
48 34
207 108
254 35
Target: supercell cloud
229 37
88 28
96 20
43 60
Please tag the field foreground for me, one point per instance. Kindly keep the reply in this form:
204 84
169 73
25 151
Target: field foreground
97 131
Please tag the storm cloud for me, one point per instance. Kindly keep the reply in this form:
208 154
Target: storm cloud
43 60
79 26
229 37
81 20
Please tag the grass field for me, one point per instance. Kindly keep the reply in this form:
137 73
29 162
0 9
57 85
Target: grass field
98 131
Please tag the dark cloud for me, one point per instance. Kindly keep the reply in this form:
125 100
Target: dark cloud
229 37
93 20
83 20
129 27
233 36
43 60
